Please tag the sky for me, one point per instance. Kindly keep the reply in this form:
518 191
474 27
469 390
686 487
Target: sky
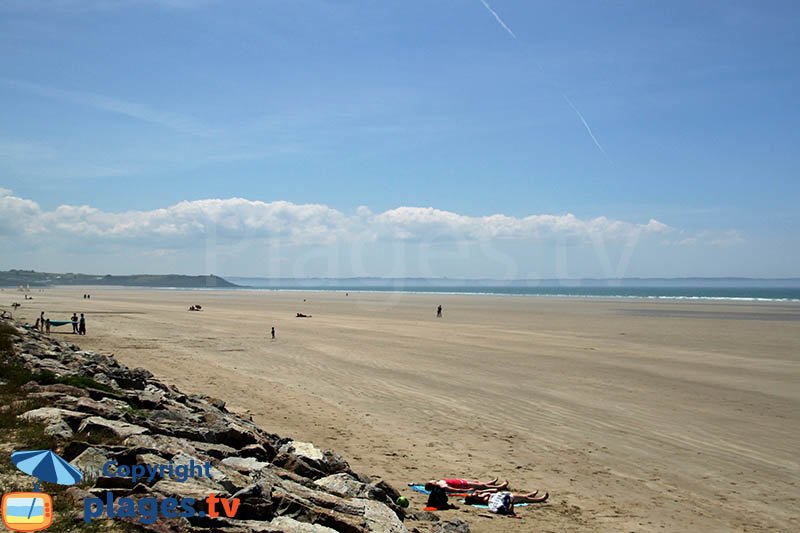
447 138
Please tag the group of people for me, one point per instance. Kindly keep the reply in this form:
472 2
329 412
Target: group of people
43 324
195 308
493 494
87 296
78 325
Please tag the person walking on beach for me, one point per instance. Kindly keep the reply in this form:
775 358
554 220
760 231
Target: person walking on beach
74 320
82 326
273 332
439 312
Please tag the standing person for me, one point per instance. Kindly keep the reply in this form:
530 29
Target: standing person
273 332
74 320
41 320
439 312
47 326
82 326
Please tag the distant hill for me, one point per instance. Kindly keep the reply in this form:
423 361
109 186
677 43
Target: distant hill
15 278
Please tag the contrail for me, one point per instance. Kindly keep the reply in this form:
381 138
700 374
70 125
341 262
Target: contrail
577 112
503 24
585 125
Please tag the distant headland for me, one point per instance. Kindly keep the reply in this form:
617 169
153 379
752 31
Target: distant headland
31 278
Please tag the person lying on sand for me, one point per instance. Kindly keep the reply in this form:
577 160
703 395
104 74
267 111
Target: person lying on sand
460 485
301 315
482 497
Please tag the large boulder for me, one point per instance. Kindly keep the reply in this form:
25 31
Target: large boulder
310 461
90 462
381 519
58 423
116 427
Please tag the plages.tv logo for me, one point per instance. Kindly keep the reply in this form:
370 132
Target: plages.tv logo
33 511
148 509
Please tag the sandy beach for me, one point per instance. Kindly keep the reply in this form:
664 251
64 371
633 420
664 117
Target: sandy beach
635 415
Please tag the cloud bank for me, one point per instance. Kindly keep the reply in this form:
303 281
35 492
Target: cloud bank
300 224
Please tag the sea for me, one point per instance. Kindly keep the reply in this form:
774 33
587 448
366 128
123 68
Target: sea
743 289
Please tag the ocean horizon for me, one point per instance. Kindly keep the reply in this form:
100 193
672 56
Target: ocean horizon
735 289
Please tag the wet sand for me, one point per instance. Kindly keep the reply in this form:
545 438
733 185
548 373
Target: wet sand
636 415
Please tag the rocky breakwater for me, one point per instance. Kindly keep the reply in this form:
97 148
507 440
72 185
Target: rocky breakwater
100 413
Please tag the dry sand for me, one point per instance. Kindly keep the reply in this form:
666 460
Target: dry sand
636 415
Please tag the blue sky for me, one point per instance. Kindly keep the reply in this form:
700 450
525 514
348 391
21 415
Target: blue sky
616 113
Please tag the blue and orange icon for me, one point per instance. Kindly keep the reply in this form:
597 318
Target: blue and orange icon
33 511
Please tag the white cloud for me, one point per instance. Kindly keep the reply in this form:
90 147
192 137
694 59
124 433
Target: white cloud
280 239
704 238
241 219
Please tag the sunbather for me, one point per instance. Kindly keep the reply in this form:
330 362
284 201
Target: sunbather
482 497
461 485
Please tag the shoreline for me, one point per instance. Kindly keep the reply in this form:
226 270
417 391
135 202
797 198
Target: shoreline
313 290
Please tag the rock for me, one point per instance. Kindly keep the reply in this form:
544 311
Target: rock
116 427
136 378
56 398
51 365
144 443
424 516
298 465
327 462
455 525
151 459
262 452
221 478
150 398
245 465
391 493
216 402
190 488
347 485
90 462
104 379
60 430
290 525
106 408
76 495
177 424
217 451
305 450
64 389
381 519
56 421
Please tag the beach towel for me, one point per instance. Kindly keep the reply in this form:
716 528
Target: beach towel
57 323
484 506
420 487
